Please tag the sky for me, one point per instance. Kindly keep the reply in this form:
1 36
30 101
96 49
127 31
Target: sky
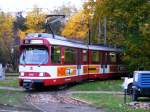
24 5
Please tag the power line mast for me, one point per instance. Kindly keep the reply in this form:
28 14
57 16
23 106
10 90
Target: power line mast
99 31
105 30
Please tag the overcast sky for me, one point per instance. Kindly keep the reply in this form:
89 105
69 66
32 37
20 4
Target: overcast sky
22 5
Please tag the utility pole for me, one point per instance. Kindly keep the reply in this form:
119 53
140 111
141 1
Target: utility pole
99 32
89 28
105 30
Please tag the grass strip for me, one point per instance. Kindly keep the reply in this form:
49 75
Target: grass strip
14 98
104 85
108 102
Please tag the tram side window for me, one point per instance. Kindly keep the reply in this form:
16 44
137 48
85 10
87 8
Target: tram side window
100 57
70 56
85 56
119 58
55 55
95 57
112 57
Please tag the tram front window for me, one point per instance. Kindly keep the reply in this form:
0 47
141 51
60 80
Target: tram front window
34 55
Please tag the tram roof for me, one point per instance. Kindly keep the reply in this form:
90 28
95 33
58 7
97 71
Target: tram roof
59 40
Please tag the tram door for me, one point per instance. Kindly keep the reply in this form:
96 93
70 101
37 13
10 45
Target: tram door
79 62
104 67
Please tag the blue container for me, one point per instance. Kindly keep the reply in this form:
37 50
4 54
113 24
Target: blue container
141 84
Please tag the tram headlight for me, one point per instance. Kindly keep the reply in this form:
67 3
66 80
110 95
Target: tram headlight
41 74
22 74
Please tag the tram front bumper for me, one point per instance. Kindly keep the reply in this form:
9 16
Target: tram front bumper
31 83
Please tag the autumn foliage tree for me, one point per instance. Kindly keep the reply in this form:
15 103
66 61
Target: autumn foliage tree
128 23
77 26
34 21
128 26
6 37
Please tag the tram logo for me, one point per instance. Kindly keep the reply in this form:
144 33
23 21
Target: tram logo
66 71
91 69
31 68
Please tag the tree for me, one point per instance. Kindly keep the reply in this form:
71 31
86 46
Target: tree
67 10
77 26
128 26
34 22
19 27
6 37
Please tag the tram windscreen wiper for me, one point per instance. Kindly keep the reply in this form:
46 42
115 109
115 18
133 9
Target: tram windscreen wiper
42 62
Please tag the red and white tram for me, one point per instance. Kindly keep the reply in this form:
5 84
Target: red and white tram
56 61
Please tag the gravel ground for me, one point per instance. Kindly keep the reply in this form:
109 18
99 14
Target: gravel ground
55 102
60 102
140 105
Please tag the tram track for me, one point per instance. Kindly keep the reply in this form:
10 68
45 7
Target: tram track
58 101
61 100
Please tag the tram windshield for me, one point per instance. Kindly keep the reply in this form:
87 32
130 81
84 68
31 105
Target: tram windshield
34 55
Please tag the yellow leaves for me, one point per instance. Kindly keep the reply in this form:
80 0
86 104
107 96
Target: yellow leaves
6 36
145 29
6 25
21 34
76 26
35 19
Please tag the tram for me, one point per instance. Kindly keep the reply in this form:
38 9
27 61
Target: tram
49 61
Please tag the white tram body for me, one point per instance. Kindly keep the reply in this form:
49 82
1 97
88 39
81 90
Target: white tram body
56 61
